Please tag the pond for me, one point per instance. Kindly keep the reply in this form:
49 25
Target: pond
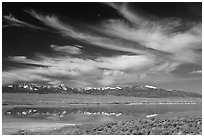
90 112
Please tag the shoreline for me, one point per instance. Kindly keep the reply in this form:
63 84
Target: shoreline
6 103
137 103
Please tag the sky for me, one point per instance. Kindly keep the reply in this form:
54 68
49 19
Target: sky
103 44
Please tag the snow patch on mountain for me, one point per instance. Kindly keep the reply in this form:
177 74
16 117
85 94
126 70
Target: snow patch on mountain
148 86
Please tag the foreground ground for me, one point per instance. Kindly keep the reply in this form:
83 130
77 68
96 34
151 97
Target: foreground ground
172 123
168 126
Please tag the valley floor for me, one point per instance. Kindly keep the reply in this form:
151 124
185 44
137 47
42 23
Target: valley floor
64 99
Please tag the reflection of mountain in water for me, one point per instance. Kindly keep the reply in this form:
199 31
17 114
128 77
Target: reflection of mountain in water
107 110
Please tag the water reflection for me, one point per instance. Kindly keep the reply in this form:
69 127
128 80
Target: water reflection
108 110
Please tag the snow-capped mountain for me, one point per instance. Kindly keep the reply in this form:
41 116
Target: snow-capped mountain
136 91
102 88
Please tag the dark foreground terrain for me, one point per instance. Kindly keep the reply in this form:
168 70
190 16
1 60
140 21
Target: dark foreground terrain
168 126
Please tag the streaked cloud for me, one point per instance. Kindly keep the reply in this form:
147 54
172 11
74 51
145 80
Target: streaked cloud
196 72
11 21
17 58
152 36
68 49
127 13
155 49
77 68
102 71
88 36
26 74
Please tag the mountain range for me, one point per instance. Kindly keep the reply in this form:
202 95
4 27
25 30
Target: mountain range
136 91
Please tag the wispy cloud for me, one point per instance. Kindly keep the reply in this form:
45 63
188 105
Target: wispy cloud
12 21
78 68
17 58
86 36
155 37
127 13
26 74
146 38
196 72
157 49
101 71
159 34
67 49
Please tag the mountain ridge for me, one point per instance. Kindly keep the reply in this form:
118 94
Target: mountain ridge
136 91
